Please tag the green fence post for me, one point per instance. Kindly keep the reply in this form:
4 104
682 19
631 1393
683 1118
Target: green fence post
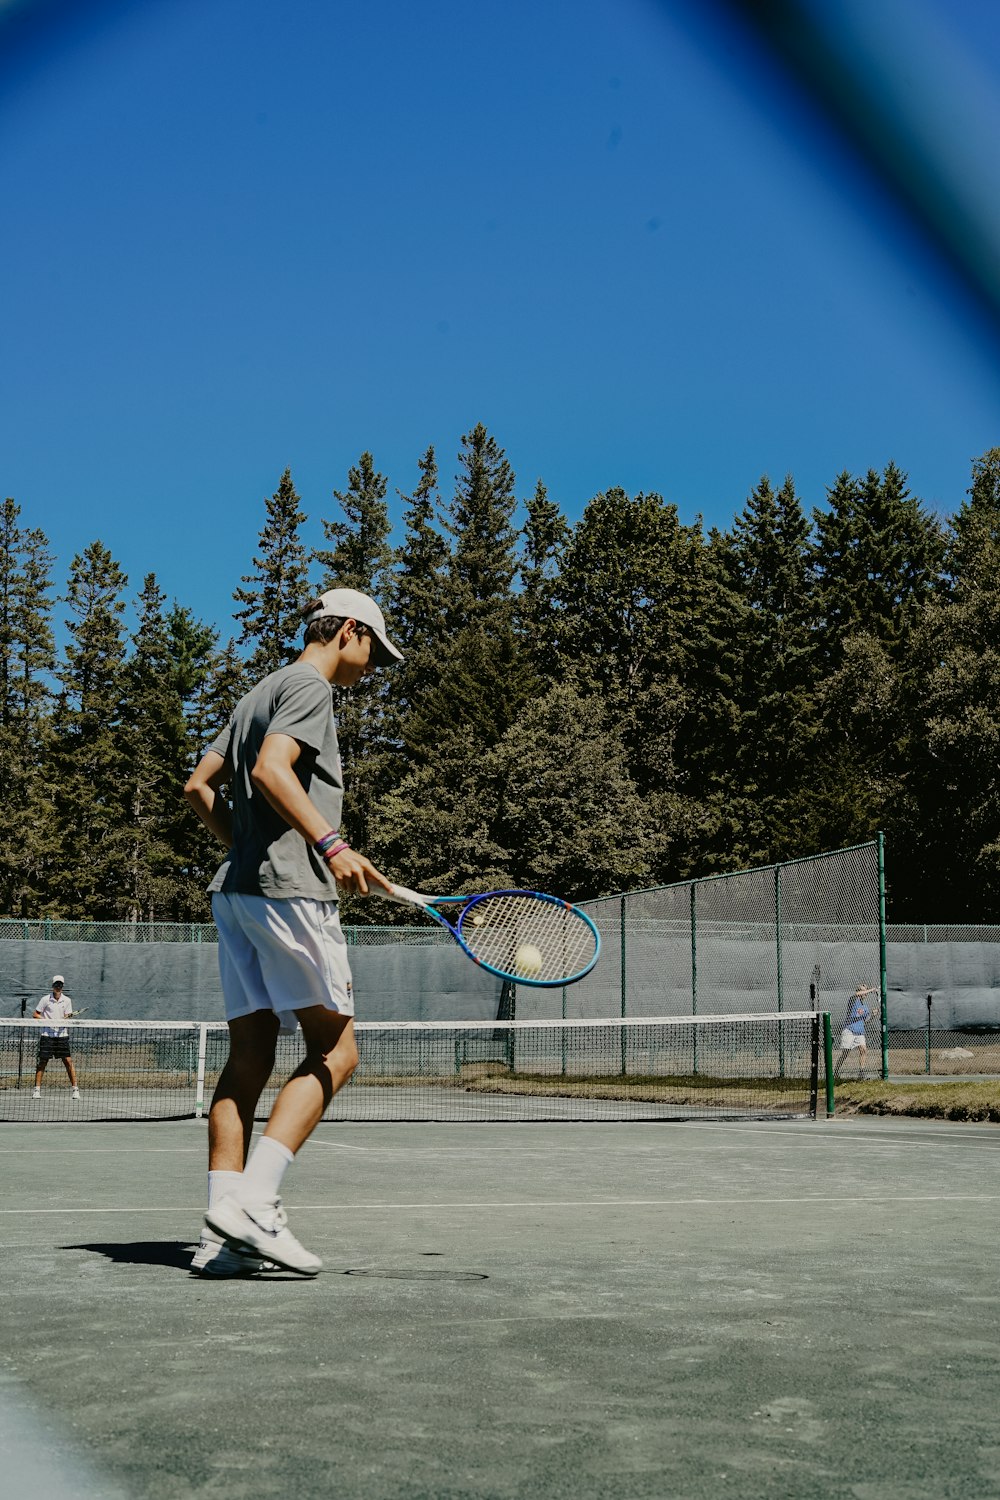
621 946
694 973
777 938
828 1060
883 986
624 1002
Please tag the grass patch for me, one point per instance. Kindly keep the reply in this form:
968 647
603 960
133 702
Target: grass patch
933 1101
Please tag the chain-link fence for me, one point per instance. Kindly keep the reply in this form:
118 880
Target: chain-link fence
805 933
808 932
52 930
400 973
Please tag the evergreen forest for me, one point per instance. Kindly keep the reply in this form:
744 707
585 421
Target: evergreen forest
584 708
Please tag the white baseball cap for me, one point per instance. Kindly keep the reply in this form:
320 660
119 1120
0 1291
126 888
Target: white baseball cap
351 604
58 979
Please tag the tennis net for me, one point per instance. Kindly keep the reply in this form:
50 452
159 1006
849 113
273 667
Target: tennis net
674 1067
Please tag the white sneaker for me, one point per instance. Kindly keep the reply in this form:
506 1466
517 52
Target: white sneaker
36 1093
214 1257
76 1093
262 1227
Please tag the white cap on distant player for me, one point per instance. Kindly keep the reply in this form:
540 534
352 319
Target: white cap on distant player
57 979
351 604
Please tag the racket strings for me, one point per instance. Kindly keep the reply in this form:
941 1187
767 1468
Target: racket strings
528 938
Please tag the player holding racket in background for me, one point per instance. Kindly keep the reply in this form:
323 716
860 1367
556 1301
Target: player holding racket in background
282 954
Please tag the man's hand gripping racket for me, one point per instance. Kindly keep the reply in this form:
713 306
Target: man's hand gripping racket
524 936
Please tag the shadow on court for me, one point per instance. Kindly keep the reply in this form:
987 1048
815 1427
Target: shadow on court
634 1311
171 1254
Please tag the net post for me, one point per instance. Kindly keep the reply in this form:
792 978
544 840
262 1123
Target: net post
883 986
199 1098
927 1045
828 1063
813 1063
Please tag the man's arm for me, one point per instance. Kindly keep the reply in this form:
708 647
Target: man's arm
274 775
203 792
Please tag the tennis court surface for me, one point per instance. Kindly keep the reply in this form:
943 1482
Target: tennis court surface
800 1309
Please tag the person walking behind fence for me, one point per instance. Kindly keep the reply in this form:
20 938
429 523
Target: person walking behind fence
282 955
54 1041
852 1038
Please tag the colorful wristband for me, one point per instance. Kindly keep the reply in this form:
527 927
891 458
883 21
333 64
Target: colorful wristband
337 849
323 844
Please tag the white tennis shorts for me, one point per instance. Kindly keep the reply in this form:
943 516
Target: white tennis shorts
850 1039
281 956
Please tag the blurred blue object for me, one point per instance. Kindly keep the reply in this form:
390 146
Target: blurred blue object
891 85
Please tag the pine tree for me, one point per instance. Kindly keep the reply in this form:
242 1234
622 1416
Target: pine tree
545 536
217 694
483 564
947 853
485 676
360 558
419 579
649 627
271 613
154 738
769 550
876 561
562 803
26 659
88 761
208 684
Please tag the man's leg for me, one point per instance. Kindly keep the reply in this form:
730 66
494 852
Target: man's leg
252 1042
331 1057
253 1216
71 1071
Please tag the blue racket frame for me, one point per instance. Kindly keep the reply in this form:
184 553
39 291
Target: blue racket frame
429 904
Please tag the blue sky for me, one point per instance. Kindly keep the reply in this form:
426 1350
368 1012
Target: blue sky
241 237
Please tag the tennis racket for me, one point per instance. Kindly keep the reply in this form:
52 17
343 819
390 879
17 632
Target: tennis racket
523 936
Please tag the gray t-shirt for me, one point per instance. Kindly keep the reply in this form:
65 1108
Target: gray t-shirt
268 858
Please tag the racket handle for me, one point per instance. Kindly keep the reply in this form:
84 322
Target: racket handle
402 894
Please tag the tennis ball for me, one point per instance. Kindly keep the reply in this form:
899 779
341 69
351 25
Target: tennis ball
528 961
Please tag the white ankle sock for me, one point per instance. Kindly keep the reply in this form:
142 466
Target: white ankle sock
221 1184
261 1182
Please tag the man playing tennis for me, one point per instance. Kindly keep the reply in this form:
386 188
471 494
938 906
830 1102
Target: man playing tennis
282 956
54 1007
852 1037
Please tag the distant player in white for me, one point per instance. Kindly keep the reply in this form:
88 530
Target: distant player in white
54 1041
852 1038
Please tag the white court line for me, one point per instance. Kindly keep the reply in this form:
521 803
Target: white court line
436 1207
339 1146
105 1151
874 1144
911 1132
